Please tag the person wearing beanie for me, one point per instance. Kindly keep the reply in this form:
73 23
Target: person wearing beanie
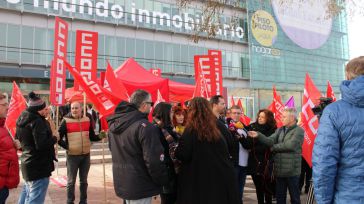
37 144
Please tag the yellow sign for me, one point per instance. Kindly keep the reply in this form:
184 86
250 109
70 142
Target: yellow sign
264 28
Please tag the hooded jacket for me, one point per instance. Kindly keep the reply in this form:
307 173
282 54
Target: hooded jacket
37 143
338 153
139 170
9 167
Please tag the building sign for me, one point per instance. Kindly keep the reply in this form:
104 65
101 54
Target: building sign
305 22
108 11
264 28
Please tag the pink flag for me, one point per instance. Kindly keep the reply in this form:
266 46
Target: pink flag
290 103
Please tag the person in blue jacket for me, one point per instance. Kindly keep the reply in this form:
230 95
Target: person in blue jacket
338 153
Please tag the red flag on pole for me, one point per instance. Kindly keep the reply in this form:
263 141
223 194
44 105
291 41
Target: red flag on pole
244 119
104 101
86 54
58 69
277 107
114 84
201 88
16 107
232 103
330 92
309 121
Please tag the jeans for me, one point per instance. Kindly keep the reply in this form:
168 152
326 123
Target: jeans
140 201
4 193
34 191
292 183
77 163
241 176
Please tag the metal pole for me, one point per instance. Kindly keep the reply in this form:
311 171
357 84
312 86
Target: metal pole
103 167
57 124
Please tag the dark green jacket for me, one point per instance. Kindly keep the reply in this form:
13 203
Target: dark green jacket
287 148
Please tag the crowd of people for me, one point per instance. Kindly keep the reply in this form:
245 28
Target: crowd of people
192 155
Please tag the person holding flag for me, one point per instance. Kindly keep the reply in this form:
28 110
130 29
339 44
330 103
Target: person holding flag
338 152
9 167
76 133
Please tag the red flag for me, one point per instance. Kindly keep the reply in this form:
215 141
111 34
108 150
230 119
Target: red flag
240 104
309 121
159 98
330 92
58 70
244 119
86 54
156 71
115 85
104 101
232 103
16 107
277 107
217 70
201 88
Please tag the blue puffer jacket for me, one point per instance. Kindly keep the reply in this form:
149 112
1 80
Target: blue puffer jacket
338 153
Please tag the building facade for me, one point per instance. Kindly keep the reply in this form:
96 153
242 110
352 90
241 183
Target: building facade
157 34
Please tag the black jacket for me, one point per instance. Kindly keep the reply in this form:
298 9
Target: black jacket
207 175
260 153
229 140
139 169
37 143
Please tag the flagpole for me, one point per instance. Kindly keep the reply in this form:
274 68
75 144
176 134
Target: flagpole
84 104
103 167
57 124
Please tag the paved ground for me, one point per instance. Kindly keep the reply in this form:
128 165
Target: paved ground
57 195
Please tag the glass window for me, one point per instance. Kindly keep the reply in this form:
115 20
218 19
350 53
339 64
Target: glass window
27 40
13 42
3 33
40 46
139 47
101 52
130 47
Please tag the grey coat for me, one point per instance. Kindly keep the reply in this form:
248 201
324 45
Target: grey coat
286 145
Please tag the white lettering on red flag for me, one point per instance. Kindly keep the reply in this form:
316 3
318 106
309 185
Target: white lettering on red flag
58 70
216 66
86 54
309 121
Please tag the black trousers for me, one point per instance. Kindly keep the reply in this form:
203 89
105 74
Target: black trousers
306 175
262 188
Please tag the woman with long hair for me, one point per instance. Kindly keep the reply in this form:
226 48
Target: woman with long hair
207 174
260 157
179 119
162 119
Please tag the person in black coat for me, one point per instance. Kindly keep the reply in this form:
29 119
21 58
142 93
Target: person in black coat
162 119
37 144
207 174
139 170
260 157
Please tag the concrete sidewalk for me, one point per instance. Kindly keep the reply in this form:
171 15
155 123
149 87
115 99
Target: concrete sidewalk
57 195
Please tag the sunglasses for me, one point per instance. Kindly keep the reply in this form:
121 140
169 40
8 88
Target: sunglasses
149 102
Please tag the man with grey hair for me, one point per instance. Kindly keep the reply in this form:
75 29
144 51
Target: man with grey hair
338 153
139 170
286 145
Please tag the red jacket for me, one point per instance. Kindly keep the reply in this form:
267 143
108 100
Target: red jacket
9 166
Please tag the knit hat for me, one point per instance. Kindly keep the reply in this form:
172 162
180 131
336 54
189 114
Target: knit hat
35 103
